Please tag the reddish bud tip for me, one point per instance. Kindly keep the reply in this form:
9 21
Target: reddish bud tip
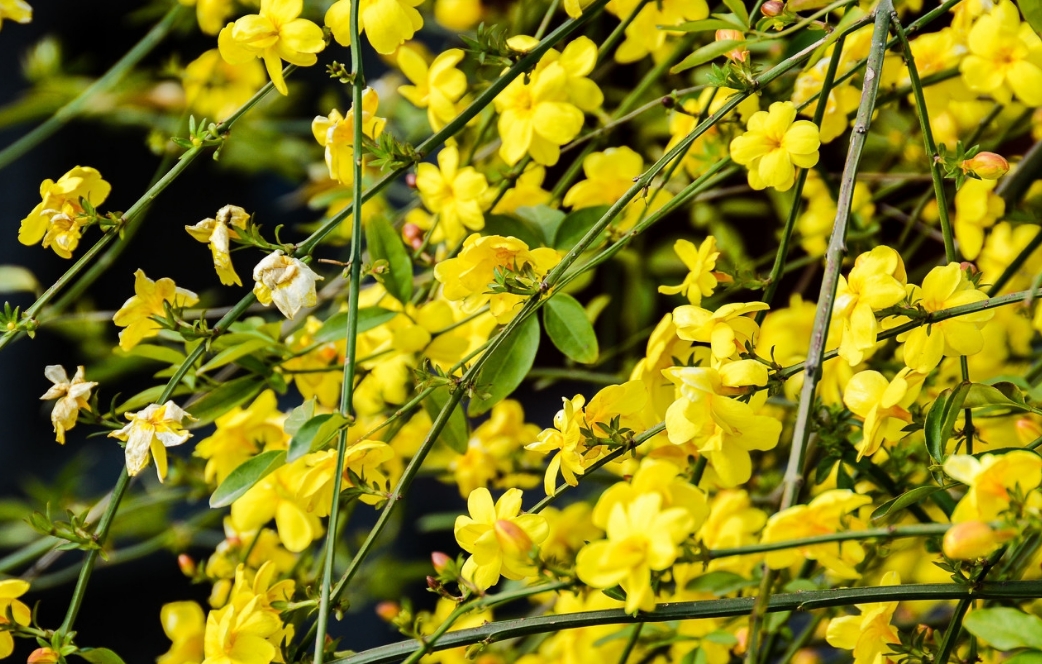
772 8
187 564
440 561
410 180
388 611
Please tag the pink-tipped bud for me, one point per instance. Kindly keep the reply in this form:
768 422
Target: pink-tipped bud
737 54
986 165
413 235
440 561
388 611
187 564
969 268
772 8
42 656
971 540
410 180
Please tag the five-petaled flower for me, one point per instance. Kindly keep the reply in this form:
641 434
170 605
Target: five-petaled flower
148 300
436 87
71 397
59 218
336 133
774 145
500 539
286 281
700 280
387 23
456 194
153 430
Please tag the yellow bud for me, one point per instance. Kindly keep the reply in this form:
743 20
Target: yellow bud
522 43
42 656
440 561
986 165
187 564
514 541
973 539
772 8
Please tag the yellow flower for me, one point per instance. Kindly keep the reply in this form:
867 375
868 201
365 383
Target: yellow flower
574 8
728 329
362 457
455 194
211 14
977 207
436 87
275 34
828 513
1004 243
240 434
499 538
387 23
286 281
18 11
536 117
152 430
468 276
527 191
185 625
732 522
56 219
71 397
239 635
641 537
136 313
654 476
217 232
10 591
971 540
609 175
278 496
989 480
336 134
723 429
215 89
492 448
870 636
1005 57
774 144
943 288
458 15
700 280
306 367
882 406
578 58
876 281
710 147
570 530
985 165
643 34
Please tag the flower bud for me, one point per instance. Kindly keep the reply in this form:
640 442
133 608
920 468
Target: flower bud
413 235
772 8
388 611
973 539
1028 430
514 541
737 54
440 561
42 656
410 180
969 268
986 165
187 565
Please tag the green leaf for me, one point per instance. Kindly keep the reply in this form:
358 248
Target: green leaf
501 224
738 7
506 368
904 500
719 583
314 434
576 225
569 328
335 327
1032 11
223 398
708 52
157 353
1005 628
940 421
229 355
384 244
455 433
249 472
99 656
706 25
298 416
17 279
1025 657
543 217
1004 394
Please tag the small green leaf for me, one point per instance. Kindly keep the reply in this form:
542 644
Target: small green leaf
384 244
335 327
940 421
223 398
1025 657
576 225
99 656
897 504
507 367
1032 11
455 433
501 224
229 355
1004 394
1005 628
543 217
298 416
738 7
706 25
157 353
314 434
249 472
708 52
569 328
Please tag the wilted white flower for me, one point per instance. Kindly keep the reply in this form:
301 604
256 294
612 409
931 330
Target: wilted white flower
153 429
286 281
217 232
71 395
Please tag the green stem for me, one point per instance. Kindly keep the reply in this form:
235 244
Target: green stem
1013 187
631 643
109 79
1015 264
715 608
27 554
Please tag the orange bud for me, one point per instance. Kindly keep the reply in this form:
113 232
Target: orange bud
187 564
42 656
388 611
986 165
772 8
440 561
514 541
973 539
738 54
